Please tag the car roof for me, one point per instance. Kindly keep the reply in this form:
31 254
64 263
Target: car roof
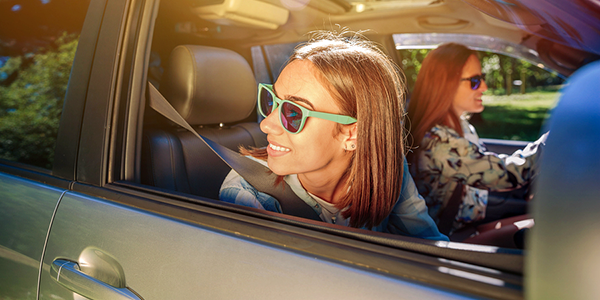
564 35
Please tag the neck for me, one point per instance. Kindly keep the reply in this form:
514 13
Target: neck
451 121
329 184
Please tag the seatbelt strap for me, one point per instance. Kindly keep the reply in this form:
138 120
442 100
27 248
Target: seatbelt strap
451 210
257 175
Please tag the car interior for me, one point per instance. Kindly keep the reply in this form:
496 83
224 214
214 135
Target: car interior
207 57
198 82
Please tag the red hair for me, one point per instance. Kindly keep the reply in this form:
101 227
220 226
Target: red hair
436 85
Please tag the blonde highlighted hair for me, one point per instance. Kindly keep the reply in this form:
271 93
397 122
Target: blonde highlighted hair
367 85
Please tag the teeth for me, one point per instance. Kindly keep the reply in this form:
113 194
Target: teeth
277 148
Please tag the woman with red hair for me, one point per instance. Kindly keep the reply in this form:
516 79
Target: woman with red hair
447 150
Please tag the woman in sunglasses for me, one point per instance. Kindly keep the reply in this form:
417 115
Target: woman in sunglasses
447 149
333 121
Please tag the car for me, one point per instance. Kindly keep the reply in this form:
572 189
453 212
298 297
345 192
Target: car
101 197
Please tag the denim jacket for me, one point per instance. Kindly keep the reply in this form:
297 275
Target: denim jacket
408 217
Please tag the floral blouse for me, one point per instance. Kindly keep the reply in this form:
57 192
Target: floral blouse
445 159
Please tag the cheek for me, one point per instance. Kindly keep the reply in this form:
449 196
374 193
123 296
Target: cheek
464 97
458 99
316 139
318 143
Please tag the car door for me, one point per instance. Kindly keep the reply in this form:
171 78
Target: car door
107 242
132 251
113 238
26 210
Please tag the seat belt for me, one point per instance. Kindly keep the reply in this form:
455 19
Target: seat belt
257 175
451 210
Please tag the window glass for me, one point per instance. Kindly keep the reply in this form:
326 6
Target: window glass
519 98
38 39
277 56
261 72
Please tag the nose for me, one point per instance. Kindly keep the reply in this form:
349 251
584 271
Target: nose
483 86
270 124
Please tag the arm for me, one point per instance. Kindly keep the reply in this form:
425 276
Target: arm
236 190
409 216
451 158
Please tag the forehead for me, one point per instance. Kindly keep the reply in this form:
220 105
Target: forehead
301 79
472 67
297 74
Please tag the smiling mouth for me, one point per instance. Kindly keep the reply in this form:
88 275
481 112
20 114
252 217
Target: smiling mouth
277 148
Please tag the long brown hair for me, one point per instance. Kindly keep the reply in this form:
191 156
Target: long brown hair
437 82
368 86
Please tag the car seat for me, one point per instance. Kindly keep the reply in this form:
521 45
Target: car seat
562 259
214 90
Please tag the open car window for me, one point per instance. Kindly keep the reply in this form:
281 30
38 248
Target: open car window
186 171
521 93
175 162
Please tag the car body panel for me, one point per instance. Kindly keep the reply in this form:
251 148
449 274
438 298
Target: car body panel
503 146
26 210
69 132
167 258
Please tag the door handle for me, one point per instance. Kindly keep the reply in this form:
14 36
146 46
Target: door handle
68 274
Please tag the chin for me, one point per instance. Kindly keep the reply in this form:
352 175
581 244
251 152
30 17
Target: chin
478 109
276 167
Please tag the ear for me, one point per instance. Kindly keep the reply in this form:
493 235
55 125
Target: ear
350 133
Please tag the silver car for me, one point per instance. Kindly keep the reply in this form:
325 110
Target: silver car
103 198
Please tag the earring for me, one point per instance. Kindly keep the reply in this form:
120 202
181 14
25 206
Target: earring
352 146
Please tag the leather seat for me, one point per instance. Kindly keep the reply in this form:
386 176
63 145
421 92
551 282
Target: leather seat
214 90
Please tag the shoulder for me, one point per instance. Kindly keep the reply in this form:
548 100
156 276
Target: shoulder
441 139
441 133
409 215
260 161
233 179
237 190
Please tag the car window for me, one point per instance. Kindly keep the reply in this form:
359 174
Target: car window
521 90
38 40
269 60
519 99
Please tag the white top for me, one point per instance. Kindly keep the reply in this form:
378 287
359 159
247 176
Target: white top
330 213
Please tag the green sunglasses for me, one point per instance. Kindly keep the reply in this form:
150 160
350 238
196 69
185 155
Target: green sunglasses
291 115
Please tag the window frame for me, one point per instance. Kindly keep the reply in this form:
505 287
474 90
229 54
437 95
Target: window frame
66 144
116 178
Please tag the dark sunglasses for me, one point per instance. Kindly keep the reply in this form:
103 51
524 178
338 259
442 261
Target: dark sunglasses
291 115
475 80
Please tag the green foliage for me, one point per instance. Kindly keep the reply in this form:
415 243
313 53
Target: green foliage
411 60
31 102
500 70
515 117
508 114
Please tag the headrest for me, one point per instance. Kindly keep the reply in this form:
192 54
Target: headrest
208 85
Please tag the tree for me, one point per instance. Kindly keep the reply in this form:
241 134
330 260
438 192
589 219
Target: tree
411 60
501 71
31 101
